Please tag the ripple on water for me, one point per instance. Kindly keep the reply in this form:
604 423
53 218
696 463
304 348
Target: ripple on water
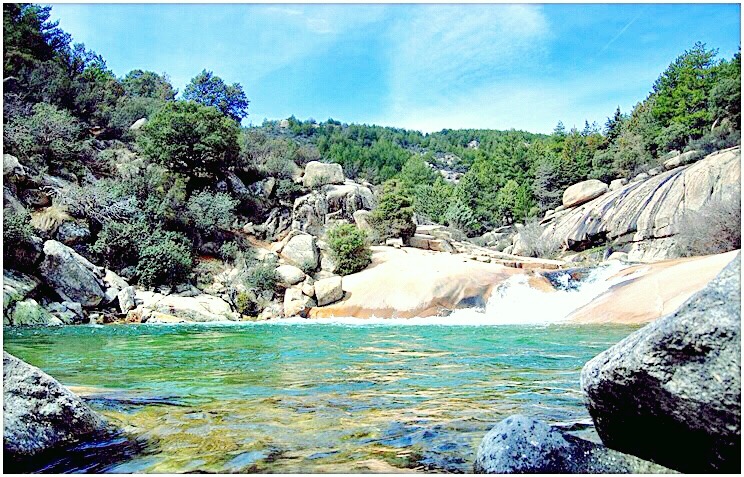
296 398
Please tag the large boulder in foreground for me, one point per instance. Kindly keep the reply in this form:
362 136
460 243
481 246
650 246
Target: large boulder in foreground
329 290
671 392
39 413
582 192
72 276
523 445
319 174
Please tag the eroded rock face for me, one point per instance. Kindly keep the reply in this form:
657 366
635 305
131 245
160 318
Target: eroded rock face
646 212
523 445
73 277
39 413
311 213
319 174
582 192
174 308
671 392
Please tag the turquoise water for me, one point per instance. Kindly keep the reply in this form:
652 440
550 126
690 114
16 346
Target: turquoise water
313 397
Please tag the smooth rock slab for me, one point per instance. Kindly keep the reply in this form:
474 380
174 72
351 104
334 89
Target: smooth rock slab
671 391
320 173
39 413
523 445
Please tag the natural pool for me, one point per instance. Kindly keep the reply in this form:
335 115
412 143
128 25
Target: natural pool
313 397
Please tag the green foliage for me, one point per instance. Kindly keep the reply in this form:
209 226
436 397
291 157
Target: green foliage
146 84
211 90
210 212
17 229
245 303
514 202
229 251
129 109
49 137
261 276
393 216
431 201
682 91
190 138
29 36
165 258
460 216
350 249
118 243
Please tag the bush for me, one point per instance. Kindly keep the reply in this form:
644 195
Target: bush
229 251
165 259
349 248
210 212
716 228
535 244
393 216
187 137
118 243
50 137
17 229
261 277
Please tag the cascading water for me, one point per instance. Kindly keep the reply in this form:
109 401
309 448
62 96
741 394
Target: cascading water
514 302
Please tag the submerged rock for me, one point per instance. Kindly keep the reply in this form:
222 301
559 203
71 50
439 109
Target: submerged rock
523 445
671 392
39 413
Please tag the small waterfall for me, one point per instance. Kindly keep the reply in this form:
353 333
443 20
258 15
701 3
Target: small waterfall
516 302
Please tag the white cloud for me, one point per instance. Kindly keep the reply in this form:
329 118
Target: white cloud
441 53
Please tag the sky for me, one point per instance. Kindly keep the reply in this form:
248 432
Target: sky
424 67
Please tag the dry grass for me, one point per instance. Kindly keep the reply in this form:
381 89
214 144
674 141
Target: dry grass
716 228
49 219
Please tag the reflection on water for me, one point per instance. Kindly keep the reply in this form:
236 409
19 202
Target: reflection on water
314 397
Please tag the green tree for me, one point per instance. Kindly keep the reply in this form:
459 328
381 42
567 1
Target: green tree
393 216
191 138
210 212
211 90
681 92
29 37
350 249
147 84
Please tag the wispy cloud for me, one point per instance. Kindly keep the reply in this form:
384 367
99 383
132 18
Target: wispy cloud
441 54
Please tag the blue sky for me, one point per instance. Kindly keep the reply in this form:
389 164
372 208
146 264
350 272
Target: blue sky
425 67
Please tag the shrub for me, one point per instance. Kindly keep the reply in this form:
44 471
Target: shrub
245 303
211 212
17 229
187 137
279 166
349 248
716 228
261 277
535 243
50 137
118 243
102 202
393 216
229 251
165 259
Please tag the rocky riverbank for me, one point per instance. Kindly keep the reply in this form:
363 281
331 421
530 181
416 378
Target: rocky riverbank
669 393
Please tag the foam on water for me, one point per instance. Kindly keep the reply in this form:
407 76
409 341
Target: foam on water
515 302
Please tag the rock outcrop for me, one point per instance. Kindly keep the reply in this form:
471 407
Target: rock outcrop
671 392
312 212
72 276
289 275
297 303
40 414
582 192
644 216
302 251
157 308
320 173
523 445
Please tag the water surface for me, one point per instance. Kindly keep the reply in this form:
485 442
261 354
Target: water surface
313 397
